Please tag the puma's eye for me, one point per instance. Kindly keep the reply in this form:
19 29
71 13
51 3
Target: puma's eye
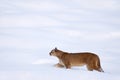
53 51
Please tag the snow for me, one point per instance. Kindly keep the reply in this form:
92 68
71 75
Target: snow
30 29
25 56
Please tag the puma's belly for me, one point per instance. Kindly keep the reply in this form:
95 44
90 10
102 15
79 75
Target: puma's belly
73 62
77 64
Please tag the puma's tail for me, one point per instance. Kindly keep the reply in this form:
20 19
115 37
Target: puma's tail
99 66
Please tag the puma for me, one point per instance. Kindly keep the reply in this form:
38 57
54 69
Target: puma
68 60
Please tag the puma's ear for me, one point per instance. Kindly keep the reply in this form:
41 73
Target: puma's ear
56 49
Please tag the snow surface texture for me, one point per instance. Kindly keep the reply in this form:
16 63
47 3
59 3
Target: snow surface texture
30 29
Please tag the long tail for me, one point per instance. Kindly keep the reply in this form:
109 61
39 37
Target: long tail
99 65
101 70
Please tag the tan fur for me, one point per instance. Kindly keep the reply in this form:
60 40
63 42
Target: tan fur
68 60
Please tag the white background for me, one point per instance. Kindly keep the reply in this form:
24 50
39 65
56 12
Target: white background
30 29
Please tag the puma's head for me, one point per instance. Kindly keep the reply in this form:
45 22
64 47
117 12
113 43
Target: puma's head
56 52
53 52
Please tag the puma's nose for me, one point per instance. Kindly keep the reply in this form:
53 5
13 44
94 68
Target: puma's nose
50 53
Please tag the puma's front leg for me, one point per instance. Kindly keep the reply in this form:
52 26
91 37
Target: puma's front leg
59 65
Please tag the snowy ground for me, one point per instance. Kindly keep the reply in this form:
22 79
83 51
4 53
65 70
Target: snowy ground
30 29
24 55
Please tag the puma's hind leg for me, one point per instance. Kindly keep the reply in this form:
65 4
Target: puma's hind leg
89 68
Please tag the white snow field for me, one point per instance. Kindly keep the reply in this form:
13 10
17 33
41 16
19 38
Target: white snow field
30 29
